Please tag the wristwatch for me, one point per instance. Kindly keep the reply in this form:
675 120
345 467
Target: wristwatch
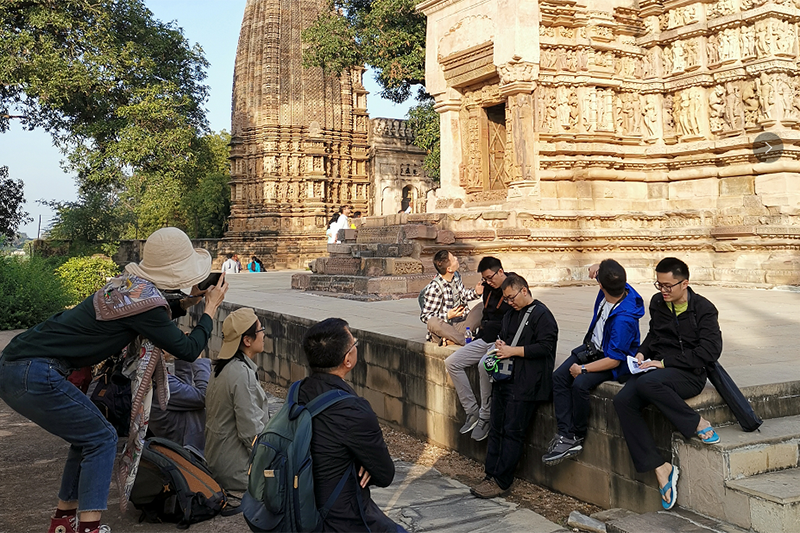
583 369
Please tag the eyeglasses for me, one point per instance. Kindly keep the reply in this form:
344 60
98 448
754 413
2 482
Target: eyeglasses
260 330
350 349
487 280
666 287
511 299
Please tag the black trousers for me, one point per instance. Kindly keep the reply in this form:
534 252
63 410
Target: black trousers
666 389
508 423
571 397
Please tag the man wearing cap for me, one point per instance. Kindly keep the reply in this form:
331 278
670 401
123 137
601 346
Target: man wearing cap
34 366
236 404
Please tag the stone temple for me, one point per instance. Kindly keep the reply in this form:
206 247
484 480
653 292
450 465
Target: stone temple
303 144
578 130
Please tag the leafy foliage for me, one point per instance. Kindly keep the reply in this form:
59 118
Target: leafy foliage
82 276
424 120
29 292
388 35
11 200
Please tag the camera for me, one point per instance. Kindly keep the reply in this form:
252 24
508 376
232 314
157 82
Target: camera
587 353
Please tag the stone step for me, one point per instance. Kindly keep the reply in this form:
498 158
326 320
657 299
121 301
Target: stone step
677 520
708 470
774 500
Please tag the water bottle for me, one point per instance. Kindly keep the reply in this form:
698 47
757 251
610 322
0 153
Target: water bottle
468 336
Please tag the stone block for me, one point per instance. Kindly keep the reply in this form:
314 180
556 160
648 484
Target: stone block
348 266
393 409
750 461
418 282
771 517
348 235
380 234
585 523
340 249
297 372
387 285
380 379
635 495
513 233
445 237
418 231
737 186
429 218
268 345
475 235
301 281
583 482
495 215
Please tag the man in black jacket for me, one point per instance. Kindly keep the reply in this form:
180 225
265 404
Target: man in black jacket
684 338
494 309
514 401
346 433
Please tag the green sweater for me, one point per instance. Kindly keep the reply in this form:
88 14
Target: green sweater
76 337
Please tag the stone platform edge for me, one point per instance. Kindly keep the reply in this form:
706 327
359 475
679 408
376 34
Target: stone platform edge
408 387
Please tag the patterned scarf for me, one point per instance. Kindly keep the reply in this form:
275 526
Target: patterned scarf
123 296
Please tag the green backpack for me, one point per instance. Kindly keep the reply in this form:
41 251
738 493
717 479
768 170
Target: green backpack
280 489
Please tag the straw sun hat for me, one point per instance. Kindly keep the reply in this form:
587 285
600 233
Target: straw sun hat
170 261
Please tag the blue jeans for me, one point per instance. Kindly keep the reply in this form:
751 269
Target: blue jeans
37 389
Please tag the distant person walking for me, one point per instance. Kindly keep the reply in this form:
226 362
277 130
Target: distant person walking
34 366
254 265
231 264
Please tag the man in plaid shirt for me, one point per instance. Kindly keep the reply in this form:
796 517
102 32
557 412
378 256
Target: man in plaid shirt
445 310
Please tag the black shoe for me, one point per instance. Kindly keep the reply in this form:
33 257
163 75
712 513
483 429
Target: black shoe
561 448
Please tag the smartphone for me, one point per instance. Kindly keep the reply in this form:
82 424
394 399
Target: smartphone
212 279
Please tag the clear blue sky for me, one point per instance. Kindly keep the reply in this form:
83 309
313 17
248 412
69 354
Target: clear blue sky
214 24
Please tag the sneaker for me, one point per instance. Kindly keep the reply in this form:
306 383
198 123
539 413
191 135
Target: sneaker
488 488
561 448
102 529
481 430
469 425
65 524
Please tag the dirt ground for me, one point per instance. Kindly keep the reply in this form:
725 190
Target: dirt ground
551 505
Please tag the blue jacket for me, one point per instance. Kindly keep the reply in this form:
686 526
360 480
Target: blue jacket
184 420
621 330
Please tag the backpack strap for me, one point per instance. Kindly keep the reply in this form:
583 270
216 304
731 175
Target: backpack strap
325 400
325 509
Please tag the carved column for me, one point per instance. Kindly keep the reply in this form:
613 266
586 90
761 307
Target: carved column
517 86
448 106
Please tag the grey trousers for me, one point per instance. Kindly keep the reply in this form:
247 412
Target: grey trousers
471 354
440 329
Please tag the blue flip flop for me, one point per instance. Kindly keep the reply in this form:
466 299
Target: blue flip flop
672 484
713 439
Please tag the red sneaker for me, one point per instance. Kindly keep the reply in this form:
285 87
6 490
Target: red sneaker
65 524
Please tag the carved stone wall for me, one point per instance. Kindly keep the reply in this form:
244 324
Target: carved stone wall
396 172
299 138
648 109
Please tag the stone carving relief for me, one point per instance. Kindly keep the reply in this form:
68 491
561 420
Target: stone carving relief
517 71
468 32
716 108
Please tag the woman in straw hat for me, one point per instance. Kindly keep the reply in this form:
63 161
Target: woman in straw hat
236 405
34 366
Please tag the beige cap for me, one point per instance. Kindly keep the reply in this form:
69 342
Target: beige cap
232 329
170 261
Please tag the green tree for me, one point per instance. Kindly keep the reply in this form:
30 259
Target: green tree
389 36
11 199
207 205
119 91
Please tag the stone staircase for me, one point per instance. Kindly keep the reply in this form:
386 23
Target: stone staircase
386 258
751 480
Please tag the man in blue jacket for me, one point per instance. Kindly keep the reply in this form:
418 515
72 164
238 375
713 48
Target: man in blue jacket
184 419
613 335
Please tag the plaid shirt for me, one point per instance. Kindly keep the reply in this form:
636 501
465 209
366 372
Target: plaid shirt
438 302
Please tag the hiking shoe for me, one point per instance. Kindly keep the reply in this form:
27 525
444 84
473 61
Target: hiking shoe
65 524
488 488
469 425
481 430
561 448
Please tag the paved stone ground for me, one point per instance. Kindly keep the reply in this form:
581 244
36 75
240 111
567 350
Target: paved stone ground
760 327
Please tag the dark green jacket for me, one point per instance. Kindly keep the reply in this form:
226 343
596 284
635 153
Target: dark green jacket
76 337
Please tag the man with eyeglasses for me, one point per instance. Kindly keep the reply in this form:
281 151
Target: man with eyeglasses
684 338
445 310
514 400
613 335
344 435
494 309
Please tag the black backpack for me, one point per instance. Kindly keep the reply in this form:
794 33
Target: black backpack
110 391
174 484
